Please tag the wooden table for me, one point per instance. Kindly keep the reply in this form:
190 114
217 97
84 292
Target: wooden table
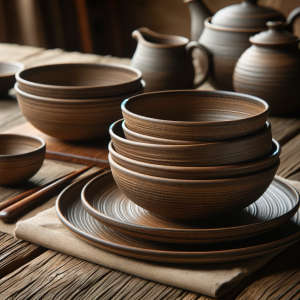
28 271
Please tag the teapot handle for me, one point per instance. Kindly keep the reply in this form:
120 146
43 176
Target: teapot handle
189 48
294 14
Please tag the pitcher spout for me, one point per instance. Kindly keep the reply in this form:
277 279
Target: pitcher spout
199 12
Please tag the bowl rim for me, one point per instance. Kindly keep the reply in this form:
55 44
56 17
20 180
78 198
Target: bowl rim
32 137
17 64
76 100
111 149
191 92
87 206
267 126
68 88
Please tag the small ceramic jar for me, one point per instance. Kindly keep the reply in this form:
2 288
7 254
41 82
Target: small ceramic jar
270 69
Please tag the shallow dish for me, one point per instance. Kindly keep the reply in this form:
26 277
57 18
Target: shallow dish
255 146
8 69
218 172
79 80
21 156
72 215
191 199
72 120
105 202
206 116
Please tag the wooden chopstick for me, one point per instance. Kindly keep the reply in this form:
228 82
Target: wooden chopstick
21 206
19 197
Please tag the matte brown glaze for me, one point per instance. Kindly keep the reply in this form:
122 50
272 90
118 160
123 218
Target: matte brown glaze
72 120
270 69
166 60
226 35
205 116
191 199
192 173
8 69
21 157
79 81
105 202
236 151
72 215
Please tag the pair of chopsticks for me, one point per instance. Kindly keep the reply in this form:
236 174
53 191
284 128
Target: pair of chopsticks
13 207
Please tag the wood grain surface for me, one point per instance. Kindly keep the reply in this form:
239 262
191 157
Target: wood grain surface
59 276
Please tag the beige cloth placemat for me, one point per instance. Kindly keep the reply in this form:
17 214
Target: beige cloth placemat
213 280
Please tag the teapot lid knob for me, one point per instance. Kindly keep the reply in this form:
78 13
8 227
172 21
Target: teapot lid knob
250 1
275 25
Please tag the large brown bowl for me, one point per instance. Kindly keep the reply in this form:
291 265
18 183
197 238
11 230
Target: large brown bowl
191 199
205 116
236 151
8 69
72 120
21 156
79 81
196 173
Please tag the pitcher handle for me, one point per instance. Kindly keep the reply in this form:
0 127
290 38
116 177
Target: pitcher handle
294 14
189 48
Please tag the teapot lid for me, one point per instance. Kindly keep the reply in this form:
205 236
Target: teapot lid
246 15
275 35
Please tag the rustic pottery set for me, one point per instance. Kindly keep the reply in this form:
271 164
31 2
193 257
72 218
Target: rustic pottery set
192 173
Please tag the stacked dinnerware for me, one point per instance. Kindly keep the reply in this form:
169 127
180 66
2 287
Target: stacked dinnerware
193 155
76 101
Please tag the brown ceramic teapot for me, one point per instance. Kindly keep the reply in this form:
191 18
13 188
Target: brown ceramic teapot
226 34
166 61
270 69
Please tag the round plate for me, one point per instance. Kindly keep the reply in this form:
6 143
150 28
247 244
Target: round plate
72 214
105 202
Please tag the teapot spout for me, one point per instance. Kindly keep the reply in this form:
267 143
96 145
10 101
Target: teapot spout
199 12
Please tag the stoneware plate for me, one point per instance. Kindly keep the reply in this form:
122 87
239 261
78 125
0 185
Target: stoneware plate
236 151
204 173
72 214
8 69
105 202
79 80
206 116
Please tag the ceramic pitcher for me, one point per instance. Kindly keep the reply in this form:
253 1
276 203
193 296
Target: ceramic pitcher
166 61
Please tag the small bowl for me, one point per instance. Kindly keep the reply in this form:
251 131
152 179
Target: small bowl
205 116
242 150
79 81
191 199
21 156
196 173
73 120
8 70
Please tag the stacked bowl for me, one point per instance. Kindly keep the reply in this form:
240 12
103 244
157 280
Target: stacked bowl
193 155
76 101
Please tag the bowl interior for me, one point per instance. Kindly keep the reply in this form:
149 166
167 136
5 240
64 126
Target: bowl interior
85 75
8 68
18 144
195 106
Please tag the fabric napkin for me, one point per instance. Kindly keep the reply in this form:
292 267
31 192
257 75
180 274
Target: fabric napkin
213 280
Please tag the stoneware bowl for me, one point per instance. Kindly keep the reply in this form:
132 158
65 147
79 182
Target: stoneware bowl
195 173
255 146
21 156
79 80
76 120
8 69
191 199
205 116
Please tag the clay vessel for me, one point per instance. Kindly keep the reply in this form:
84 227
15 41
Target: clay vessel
21 156
270 69
166 61
8 69
226 34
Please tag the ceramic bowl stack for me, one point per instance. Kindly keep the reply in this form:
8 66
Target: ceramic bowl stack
76 101
191 181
